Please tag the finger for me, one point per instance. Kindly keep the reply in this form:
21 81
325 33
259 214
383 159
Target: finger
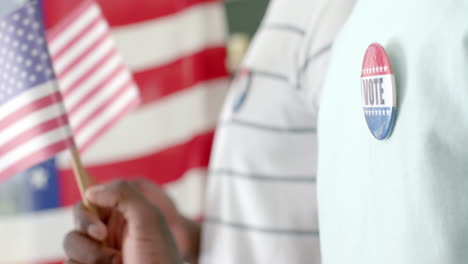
83 249
87 222
125 198
140 184
151 191
157 196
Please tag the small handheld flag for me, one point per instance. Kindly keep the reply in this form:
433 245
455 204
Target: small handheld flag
33 120
98 89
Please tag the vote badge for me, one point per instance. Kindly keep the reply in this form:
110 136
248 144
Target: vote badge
378 91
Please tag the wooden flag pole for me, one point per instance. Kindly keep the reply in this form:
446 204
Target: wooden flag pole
82 178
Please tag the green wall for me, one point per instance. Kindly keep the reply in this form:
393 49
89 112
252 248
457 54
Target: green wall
245 15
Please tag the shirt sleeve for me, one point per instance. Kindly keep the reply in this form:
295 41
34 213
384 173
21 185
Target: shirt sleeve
317 50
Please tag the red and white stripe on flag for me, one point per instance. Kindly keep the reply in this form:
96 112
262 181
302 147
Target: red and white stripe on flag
33 122
97 87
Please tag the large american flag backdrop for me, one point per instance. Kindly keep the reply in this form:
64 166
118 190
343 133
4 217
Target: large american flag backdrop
176 50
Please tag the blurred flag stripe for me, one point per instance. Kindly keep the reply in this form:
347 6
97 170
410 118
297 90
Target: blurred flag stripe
73 109
102 103
196 68
203 26
23 123
71 23
148 10
145 10
97 122
97 82
169 170
94 49
187 114
81 81
34 152
75 38
110 122
25 99
83 109
30 133
75 49
33 145
35 241
27 109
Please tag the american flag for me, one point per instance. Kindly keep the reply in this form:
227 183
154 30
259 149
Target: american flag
33 122
176 51
97 87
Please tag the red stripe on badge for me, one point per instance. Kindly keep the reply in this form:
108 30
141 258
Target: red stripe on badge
376 61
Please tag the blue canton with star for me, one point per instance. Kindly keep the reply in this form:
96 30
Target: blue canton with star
33 190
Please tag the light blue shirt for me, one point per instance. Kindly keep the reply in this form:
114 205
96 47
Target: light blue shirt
403 200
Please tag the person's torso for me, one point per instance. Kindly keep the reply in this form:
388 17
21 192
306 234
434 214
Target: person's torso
261 195
405 199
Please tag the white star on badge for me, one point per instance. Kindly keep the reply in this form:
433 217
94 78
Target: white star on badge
39 178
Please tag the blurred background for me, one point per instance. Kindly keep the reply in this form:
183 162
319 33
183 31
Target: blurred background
182 54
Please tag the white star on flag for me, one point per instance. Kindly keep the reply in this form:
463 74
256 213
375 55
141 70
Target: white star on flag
39 178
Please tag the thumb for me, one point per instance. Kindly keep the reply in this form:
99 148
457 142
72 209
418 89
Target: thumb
123 197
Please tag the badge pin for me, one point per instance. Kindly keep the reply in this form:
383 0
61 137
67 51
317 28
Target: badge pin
378 92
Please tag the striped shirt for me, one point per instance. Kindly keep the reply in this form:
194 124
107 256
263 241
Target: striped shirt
261 198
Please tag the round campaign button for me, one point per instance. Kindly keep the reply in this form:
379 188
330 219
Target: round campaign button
378 91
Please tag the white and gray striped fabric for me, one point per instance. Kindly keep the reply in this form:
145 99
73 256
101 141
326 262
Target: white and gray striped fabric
261 196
